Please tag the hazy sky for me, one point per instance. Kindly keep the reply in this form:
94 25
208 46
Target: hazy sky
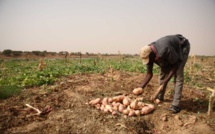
105 26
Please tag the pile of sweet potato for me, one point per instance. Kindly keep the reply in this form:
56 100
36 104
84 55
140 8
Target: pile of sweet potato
122 104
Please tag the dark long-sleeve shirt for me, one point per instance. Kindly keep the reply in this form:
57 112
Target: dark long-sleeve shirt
168 50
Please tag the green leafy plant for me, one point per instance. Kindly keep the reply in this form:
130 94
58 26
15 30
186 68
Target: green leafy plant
8 91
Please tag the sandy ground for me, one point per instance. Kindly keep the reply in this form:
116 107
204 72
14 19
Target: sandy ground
70 114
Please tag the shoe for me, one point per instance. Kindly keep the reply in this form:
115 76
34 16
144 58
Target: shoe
175 109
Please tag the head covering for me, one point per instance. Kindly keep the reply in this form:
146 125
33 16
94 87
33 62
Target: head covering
144 54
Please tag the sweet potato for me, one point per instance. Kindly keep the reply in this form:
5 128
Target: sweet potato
125 111
105 101
131 113
109 107
137 91
137 112
147 109
95 101
118 98
121 108
115 108
134 104
140 105
102 107
126 101
110 100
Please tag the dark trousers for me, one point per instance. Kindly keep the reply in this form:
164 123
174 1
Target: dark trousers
178 77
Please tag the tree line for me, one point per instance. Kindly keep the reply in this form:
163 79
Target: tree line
9 52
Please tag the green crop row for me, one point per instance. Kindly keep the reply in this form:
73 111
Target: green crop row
22 74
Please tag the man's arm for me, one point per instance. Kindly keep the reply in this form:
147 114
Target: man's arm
171 73
149 75
138 91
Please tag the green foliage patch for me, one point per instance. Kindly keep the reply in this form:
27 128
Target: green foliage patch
8 91
23 73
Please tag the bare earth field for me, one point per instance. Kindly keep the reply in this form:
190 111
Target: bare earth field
69 113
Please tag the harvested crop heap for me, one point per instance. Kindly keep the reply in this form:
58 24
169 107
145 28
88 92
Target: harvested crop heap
122 104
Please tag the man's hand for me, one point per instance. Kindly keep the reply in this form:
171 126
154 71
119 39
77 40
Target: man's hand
163 83
137 91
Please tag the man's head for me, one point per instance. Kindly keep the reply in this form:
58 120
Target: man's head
144 54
